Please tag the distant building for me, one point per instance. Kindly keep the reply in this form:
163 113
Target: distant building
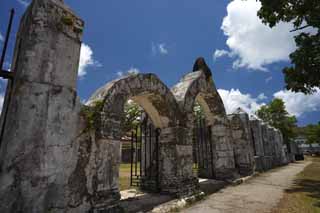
306 148
300 140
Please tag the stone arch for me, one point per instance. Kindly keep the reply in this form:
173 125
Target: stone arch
145 89
161 106
196 87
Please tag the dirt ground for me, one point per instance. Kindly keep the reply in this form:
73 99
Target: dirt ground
260 194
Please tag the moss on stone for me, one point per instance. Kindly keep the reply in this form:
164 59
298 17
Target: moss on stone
67 20
92 114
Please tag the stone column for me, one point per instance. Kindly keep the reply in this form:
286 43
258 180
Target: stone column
37 153
224 161
243 148
258 142
175 168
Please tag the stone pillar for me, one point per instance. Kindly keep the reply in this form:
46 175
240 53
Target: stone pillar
175 168
258 143
284 154
224 161
37 151
266 146
243 146
272 143
278 147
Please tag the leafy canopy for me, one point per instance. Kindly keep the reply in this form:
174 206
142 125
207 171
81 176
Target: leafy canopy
304 74
276 115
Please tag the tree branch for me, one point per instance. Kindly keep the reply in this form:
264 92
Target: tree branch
300 28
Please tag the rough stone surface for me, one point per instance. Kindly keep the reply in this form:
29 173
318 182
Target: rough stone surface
243 144
38 151
175 153
195 87
256 131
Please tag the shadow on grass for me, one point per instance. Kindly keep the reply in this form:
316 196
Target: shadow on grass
309 182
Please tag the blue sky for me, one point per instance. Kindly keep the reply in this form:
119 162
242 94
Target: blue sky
165 37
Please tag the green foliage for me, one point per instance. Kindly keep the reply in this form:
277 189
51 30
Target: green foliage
132 116
311 132
304 74
92 114
198 111
276 115
67 20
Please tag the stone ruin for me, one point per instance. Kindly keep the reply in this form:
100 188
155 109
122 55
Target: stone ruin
58 155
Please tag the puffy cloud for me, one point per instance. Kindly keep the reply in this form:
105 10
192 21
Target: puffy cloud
86 60
220 53
160 48
24 3
252 43
262 96
298 103
234 99
130 71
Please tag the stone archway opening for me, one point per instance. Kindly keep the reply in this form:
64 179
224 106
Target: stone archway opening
203 147
139 166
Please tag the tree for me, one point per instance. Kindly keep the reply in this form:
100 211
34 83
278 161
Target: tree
313 133
304 74
276 115
133 114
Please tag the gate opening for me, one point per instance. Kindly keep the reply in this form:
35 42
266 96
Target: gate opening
202 145
139 150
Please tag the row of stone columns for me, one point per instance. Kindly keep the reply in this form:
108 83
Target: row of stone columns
257 145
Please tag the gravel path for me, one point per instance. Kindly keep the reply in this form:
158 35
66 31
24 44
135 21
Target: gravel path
259 194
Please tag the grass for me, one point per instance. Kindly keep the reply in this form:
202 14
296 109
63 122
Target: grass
304 196
124 175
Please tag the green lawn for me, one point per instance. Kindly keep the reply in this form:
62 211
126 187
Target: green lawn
124 175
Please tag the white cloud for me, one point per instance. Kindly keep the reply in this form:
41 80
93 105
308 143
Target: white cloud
86 60
268 79
131 71
120 73
24 3
220 53
262 96
298 103
234 99
253 44
160 48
